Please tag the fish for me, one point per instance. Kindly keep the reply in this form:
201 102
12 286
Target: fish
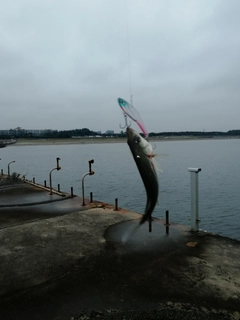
142 153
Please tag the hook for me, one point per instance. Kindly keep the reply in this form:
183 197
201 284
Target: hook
126 123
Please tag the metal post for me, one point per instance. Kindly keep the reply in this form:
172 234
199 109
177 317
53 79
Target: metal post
83 202
33 179
9 168
2 172
50 174
72 192
116 204
167 222
90 162
50 180
90 173
45 183
58 187
91 197
167 218
194 198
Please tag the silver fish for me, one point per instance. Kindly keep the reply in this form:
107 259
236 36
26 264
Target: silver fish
143 153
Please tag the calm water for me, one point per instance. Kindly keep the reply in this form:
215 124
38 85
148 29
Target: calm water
116 176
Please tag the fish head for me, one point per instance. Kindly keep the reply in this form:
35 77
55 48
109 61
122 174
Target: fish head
136 141
132 135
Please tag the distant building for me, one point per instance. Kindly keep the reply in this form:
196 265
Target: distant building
110 132
29 132
4 132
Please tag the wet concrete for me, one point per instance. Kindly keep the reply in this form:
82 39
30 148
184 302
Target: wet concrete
70 260
23 202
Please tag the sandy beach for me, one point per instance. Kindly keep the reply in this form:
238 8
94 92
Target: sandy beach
21 142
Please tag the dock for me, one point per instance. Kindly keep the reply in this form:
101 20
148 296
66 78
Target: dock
61 260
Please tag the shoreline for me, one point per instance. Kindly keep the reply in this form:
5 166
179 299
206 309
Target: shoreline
69 141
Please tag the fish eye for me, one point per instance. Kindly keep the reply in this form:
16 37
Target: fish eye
137 139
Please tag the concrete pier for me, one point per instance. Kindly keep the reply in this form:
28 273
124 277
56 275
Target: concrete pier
60 260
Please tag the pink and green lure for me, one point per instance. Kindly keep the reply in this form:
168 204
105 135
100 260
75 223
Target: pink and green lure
133 114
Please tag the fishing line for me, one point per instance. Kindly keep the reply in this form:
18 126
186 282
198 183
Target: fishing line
129 55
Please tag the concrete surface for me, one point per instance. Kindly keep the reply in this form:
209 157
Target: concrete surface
60 260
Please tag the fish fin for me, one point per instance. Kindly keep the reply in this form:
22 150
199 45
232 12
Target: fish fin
156 164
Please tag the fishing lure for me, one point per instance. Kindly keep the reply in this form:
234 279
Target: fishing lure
129 110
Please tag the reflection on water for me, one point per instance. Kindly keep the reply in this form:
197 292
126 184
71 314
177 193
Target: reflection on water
116 176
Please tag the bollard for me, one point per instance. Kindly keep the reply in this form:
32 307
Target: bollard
167 224
72 192
58 187
2 172
194 198
33 179
116 204
167 218
45 183
91 197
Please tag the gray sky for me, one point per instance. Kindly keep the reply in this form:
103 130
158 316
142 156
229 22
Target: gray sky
63 64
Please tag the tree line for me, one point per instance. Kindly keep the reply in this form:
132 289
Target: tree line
85 132
202 134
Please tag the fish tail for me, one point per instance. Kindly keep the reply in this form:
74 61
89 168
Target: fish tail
142 220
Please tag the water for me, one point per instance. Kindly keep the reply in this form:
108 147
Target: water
116 176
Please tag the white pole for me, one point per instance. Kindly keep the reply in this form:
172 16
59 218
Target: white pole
194 198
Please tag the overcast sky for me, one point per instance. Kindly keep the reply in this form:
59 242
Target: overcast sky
63 64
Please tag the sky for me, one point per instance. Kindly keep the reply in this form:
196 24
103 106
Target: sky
63 64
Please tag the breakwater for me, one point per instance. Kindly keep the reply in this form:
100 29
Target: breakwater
66 259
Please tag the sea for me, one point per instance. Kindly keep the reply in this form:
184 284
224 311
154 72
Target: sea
116 176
